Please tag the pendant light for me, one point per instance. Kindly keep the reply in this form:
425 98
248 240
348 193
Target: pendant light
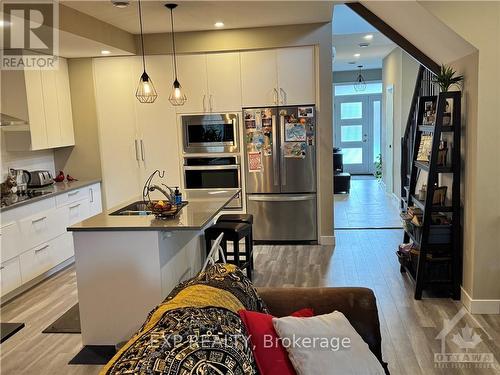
177 97
360 84
146 92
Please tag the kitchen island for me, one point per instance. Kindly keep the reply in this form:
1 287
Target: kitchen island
126 265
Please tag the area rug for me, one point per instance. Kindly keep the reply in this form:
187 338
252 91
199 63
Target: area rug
69 322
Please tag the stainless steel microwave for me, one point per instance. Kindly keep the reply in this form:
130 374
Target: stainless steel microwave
215 132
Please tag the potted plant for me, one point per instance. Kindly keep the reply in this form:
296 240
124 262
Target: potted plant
446 78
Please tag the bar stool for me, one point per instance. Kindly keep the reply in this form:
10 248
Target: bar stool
234 232
239 218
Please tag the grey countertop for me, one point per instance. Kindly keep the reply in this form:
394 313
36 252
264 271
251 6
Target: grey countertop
48 191
195 216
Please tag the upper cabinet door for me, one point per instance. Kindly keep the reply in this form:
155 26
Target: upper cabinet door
192 75
64 103
296 75
224 82
36 110
51 107
259 79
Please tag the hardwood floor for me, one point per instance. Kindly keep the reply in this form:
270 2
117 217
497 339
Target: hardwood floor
367 205
361 258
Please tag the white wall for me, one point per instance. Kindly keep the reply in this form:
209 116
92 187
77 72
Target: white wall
30 160
399 70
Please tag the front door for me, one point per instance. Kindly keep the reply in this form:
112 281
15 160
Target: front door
354 131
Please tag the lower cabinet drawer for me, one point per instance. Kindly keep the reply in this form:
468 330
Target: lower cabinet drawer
40 228
10 275
61 248
11 244
75 212
35 261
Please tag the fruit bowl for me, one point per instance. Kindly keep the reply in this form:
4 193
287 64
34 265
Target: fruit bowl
164 210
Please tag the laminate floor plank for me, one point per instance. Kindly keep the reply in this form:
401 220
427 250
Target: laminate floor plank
360 258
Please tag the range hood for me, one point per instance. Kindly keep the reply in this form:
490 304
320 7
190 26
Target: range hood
7 120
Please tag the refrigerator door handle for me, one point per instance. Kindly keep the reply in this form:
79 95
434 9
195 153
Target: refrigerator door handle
275 154
283 162
283 96
281 198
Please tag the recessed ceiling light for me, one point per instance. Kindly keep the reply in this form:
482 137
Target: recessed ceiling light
105 52
368 37
219 24
357 55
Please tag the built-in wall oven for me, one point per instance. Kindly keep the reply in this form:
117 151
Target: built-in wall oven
213 173
208 133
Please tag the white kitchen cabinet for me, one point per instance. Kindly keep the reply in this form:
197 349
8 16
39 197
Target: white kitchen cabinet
64 104
61 249
10 275
224 82
192 75
51 108
36 111
46 96
156 126
95 201
259 78
296 75
10 241
284 76
35 261
115 80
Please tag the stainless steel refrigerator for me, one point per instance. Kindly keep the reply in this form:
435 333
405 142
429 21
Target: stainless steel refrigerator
280 169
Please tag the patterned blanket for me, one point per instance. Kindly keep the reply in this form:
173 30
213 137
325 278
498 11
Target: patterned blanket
196 330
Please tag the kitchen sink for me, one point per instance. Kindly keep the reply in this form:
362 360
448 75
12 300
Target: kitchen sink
138 208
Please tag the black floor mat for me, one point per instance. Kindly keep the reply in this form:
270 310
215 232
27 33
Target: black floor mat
94 355
9 329
69 322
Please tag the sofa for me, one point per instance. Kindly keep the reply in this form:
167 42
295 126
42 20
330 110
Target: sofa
357 304
197 326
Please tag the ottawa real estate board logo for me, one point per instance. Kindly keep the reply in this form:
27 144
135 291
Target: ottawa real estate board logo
461 345
30 35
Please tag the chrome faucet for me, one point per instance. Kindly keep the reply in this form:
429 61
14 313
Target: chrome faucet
170 195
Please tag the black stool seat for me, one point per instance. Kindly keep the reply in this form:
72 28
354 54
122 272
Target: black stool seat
233 231
341 183
241 218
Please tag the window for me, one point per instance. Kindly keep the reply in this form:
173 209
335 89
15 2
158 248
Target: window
348 89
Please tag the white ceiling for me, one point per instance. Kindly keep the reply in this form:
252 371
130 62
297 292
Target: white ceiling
349 31
73 46
346 46
201 15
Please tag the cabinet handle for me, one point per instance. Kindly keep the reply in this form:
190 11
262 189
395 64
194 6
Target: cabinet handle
210 101
142 150
74 206
42 248
71 193
39 219
91 195
275 96
204 105
136 150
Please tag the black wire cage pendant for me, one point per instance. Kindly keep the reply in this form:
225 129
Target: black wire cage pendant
360 84
146 92
176 97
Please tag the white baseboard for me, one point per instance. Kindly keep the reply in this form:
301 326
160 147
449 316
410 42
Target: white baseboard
327 240
479 306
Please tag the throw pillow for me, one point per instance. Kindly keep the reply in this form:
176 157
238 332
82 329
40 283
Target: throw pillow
269 354
326 345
